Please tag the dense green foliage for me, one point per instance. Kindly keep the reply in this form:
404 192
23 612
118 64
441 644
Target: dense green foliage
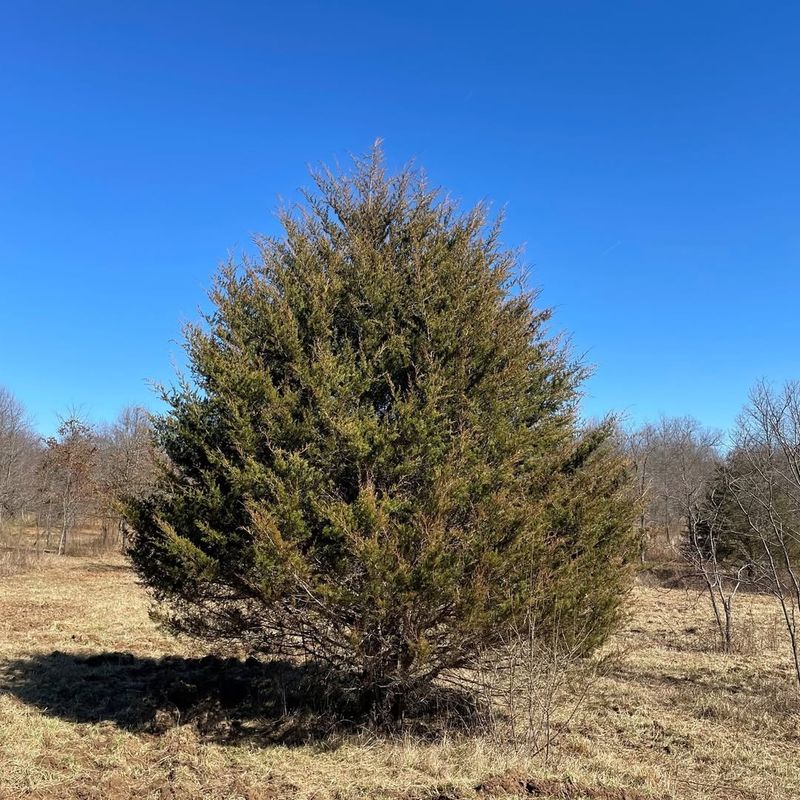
377 461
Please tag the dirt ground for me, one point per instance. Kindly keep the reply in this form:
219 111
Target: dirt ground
96 702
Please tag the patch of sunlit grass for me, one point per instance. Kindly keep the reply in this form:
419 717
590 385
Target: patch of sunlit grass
673 717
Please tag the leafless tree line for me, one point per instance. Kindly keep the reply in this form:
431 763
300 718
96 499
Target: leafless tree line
49 487
731 515
675 458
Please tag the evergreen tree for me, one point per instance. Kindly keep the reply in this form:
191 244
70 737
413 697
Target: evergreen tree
376 460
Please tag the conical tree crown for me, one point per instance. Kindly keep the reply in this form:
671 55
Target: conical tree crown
377 460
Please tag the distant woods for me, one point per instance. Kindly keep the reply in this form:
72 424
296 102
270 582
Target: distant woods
52 487
726 506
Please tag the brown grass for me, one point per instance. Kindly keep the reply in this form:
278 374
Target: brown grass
23 548
96 702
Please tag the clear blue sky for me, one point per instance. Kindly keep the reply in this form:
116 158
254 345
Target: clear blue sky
647 153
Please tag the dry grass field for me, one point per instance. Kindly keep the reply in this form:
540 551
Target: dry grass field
95 702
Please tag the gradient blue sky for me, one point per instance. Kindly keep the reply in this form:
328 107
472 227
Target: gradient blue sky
647 154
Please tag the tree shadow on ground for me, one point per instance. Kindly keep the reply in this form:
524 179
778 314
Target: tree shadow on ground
224 699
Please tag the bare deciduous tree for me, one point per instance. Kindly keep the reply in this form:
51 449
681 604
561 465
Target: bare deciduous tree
127 464
640 445
69 462
766 486
711 550
18 450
